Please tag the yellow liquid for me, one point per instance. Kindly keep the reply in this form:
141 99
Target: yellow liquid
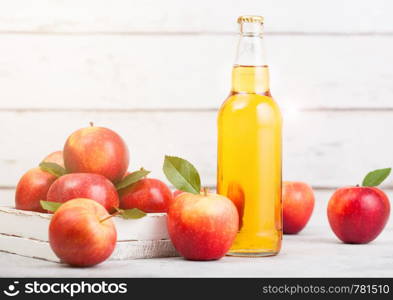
249 161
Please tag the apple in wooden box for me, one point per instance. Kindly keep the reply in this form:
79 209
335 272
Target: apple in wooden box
103 157
84 185
96 150
33 187
148 194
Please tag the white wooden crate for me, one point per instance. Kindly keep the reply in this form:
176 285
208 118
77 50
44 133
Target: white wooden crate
26 233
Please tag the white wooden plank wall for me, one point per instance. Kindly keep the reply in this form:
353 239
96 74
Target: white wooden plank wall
156 71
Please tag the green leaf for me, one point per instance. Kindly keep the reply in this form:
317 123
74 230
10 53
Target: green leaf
132 178
49 205
53 168
182 174
132 213
376 177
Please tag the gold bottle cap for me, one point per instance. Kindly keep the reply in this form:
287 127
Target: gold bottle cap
250 19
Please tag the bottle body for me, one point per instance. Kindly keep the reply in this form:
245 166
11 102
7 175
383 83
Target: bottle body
249 161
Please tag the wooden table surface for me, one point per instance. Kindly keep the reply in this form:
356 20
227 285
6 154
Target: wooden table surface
315 252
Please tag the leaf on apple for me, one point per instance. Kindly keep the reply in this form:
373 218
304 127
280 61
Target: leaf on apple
50 205
376 177
134 213
53 168
182 174
132 178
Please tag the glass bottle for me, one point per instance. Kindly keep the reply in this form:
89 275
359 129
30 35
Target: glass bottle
249 147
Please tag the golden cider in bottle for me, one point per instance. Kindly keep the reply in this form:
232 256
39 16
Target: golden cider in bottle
249 148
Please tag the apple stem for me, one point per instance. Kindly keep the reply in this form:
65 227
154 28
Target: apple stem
205 191
143 169
110 216
91 124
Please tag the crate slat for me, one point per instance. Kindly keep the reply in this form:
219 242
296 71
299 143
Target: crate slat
35 225
124 250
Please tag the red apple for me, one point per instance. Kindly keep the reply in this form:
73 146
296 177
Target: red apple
357 215
202 227
31 188
298 204
148 194
80 234
55 157
96 150
84 185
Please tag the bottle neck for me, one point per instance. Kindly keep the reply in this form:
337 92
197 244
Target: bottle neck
250 73
250 80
